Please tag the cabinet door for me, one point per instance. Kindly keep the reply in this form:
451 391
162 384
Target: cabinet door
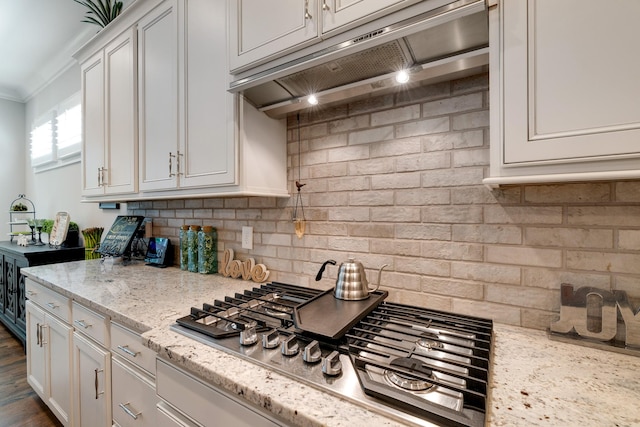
571 86
209 132
341 13
158 98
92 77
58 342
36 374
91 383
134 396
120 103
11 297
261 30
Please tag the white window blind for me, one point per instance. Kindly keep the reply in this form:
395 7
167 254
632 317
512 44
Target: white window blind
42 140
69 127
56 136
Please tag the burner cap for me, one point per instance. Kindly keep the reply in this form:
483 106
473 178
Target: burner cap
428 344
408 382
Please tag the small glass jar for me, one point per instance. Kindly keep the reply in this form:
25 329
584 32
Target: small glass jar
184 247
192 253
207 250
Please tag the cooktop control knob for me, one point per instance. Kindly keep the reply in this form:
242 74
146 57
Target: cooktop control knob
312 353
331 365
290 346
248 335
271 340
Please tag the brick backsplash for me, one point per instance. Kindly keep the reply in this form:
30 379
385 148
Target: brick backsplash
397 179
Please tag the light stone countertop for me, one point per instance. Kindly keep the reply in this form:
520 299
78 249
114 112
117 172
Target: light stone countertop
534 380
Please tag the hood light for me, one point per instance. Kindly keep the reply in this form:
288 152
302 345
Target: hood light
402 76
312 100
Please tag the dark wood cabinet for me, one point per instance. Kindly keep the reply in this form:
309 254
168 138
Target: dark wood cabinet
13 258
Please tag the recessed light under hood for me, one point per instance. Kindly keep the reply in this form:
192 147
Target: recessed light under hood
448 42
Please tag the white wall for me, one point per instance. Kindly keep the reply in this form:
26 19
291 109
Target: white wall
59 189
12 174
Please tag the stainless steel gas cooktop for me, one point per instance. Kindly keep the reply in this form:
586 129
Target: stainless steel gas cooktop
420 366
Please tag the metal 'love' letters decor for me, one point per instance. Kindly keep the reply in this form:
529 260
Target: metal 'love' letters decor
590 315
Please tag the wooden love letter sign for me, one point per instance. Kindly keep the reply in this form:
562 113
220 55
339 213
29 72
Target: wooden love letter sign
248 269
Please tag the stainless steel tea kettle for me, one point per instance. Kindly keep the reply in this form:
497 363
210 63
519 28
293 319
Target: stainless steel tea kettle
351 283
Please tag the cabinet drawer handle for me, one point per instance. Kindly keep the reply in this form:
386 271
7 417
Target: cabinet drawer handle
38 334
125 348
81 323
42 341
325 6
52 305
129 411
31 293
96 382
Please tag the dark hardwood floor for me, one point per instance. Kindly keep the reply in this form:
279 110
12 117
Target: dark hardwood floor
20 406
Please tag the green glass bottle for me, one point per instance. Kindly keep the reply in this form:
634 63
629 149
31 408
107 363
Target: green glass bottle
192 253
207 250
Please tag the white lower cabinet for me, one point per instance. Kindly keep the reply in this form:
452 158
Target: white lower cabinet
190 402
91 383
48 361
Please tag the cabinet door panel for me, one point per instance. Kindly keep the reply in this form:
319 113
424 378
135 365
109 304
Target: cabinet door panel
91 383
341 13
59 368
120 65
92 76
571 87
158 97
255 37
36 376
209 151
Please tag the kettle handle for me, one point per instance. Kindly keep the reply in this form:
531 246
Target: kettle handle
379 276
319 275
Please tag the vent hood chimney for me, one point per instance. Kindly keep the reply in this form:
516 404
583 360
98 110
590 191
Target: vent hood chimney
448 42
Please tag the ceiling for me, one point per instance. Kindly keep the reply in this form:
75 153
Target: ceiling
37 41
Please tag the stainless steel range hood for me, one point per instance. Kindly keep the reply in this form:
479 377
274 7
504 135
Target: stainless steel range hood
448 42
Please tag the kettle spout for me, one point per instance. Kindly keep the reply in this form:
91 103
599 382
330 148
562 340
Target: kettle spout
324 265
379 276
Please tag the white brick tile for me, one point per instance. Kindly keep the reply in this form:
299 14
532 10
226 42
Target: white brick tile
424 161
628 191
350 183
501 313
538 319
423 196
395 115
568 193
395 214
424 93
630 286
396 148
568 237
328 170
372 166
489 273
379 231
552 279
349 244
384 133
423 231
604 215
422 127
452 177
629 239
370 104
349 214
395 247
454 288
454 104
371 198
423 266
505 234
523 296
404 180
452 214
479 157
346 154
349 123
480 194
604 261
524 256
470 120
471 84
497 214
431 301
329 141
452 251
320 199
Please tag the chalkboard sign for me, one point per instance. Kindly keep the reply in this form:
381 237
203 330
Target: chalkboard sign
119 237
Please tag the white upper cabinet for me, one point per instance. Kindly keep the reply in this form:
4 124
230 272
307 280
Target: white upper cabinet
186 115
260 29
564 91
346 13
110 143
264 30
